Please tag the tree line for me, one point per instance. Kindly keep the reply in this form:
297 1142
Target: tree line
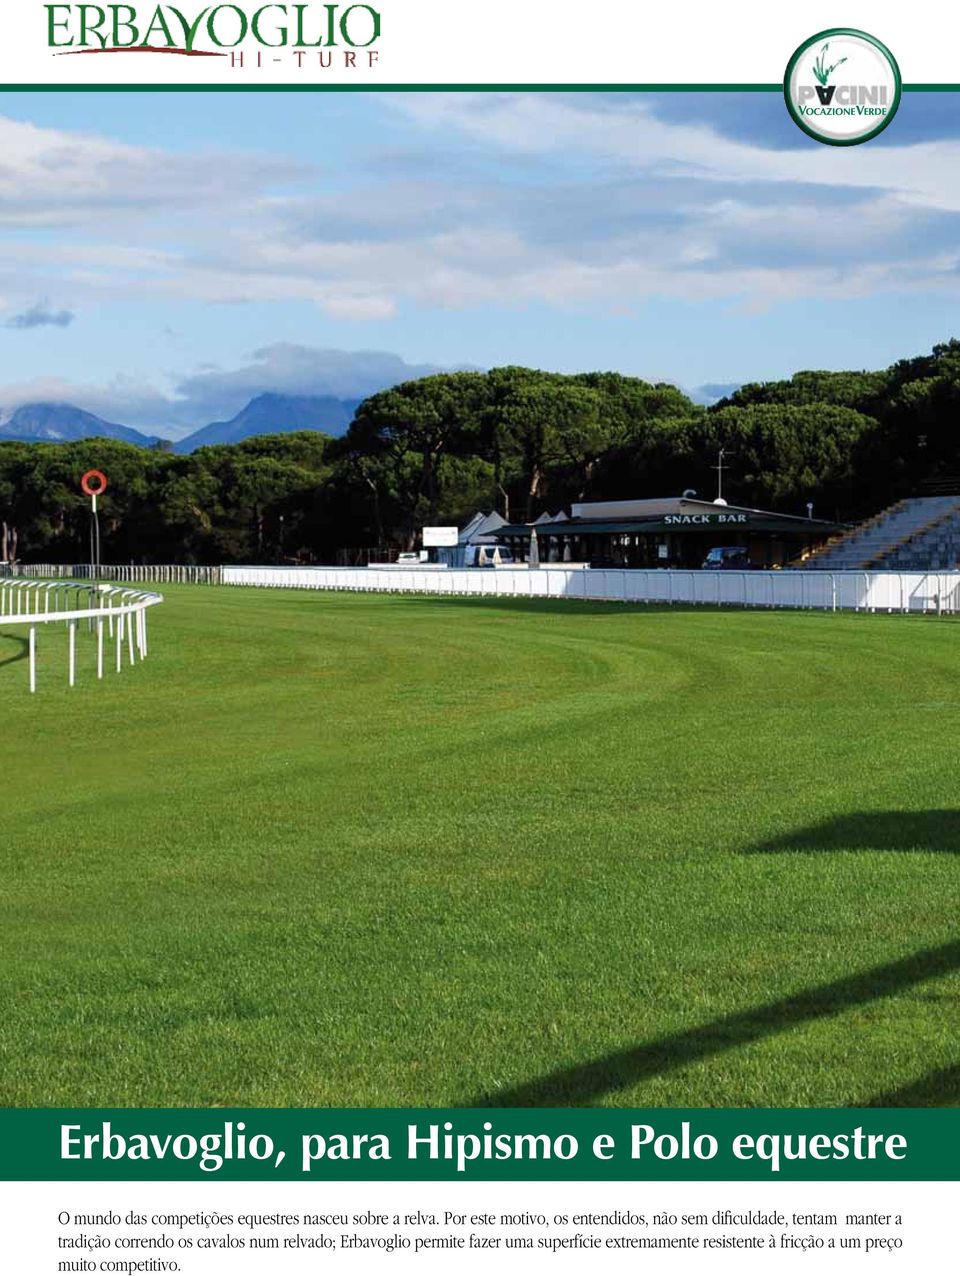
513 439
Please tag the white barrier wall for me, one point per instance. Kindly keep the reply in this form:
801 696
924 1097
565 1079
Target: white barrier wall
935 592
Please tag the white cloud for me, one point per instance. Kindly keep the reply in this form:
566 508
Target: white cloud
286 368
125 400
59 178
622 207
923 175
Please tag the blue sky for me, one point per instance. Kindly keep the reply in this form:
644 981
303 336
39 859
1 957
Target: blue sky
166 256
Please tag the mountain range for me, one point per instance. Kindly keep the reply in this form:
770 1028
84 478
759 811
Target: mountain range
264 414
276 414
62 423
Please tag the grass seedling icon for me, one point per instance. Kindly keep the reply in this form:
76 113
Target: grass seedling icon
822 73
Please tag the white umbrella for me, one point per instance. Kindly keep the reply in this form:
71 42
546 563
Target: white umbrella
533 558
497 560
482 557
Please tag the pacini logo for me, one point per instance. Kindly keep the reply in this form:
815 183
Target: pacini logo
842 86
218 30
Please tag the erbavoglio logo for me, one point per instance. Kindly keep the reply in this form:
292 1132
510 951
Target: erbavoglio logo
842 86
217 30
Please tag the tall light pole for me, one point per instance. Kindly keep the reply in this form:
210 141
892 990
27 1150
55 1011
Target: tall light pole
719 468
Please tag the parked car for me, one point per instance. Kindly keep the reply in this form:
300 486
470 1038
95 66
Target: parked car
732 557
482 556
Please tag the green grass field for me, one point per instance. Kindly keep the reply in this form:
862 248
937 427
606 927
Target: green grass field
331 849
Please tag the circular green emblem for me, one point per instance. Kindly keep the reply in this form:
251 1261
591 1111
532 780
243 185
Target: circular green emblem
842 86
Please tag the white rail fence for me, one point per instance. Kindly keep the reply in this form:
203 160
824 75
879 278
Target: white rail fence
103 612
128 574
927 592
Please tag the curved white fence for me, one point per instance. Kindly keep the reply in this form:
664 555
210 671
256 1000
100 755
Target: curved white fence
936 592
105 612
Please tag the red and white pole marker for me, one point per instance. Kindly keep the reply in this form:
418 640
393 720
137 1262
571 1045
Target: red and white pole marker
94 484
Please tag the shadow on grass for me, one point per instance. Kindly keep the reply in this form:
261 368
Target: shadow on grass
938 1089
873 831
540 606
586 1082
573 605
23 645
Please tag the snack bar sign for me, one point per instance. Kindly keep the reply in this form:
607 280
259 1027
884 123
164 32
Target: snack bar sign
708 519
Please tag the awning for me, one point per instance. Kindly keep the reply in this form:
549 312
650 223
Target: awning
718 525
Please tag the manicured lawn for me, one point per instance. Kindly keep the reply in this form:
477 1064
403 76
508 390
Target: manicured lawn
344 850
